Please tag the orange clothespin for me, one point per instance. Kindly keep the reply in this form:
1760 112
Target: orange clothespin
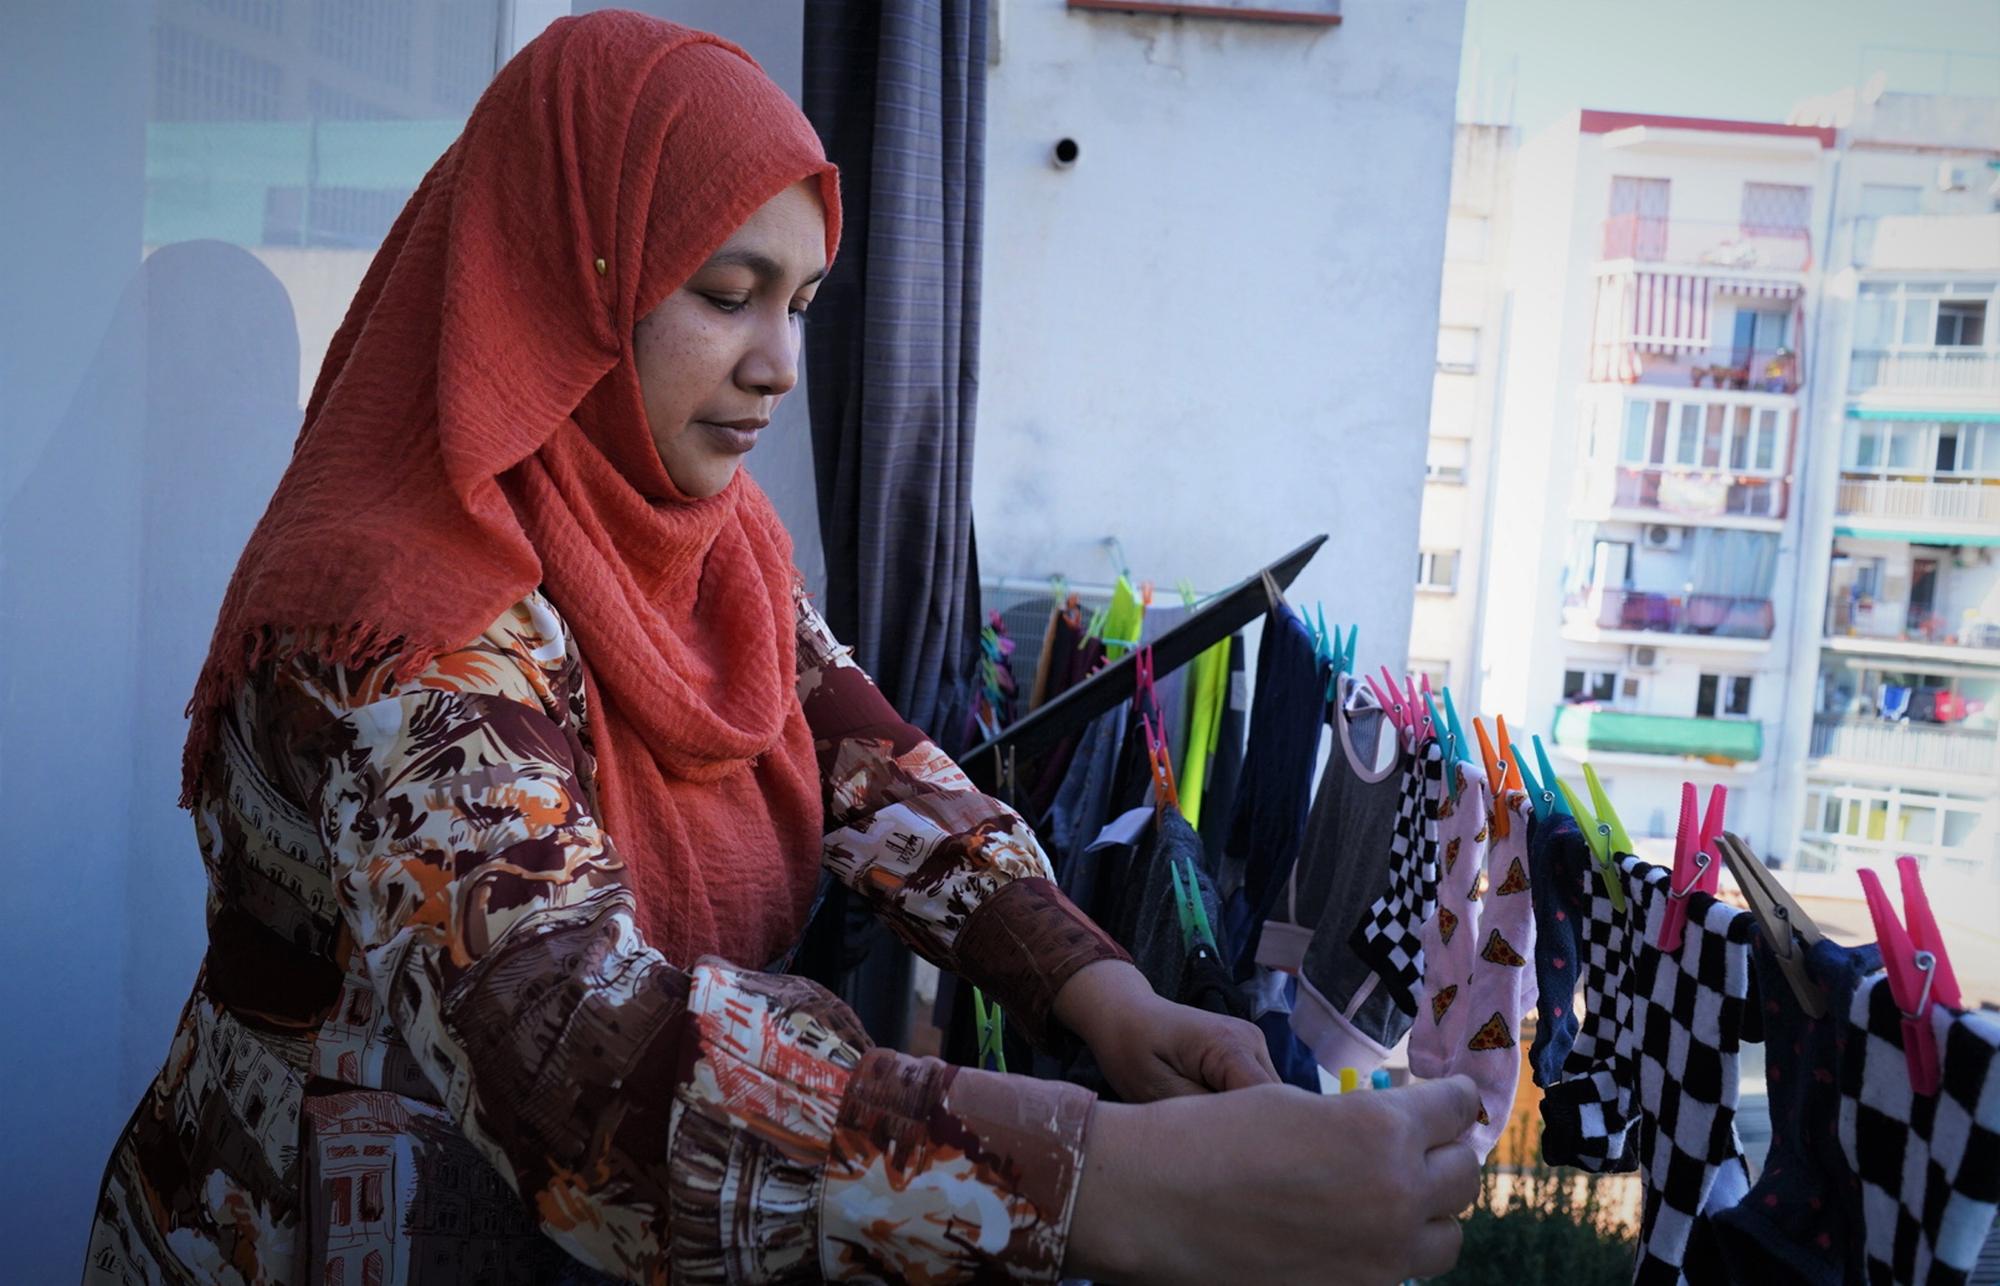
1501 774
1920 973
1697 864
1165 793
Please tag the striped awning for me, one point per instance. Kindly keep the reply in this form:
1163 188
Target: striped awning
1670 311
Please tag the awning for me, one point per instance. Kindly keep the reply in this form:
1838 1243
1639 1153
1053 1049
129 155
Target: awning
1942 417
1981 539
1670 311
1757 289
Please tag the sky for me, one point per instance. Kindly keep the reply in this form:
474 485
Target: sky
1748 59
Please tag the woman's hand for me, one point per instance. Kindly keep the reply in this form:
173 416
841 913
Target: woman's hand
1151 1048
1276 1185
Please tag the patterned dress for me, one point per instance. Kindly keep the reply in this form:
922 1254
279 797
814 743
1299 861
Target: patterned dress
428 1043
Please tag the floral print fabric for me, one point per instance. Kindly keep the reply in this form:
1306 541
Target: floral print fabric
428 1043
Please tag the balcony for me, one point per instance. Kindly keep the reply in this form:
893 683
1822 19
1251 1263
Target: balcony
1924 747
1717 616
1924 370
1693 493
1945 502
1741 370
1584 729
1724 244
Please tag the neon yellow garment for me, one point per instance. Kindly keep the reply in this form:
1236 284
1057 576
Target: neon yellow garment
1123 620
1207 691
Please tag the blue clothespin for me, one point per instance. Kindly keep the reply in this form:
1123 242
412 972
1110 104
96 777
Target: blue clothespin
1549 782
1443 734
991 1028
1457 744
1543 799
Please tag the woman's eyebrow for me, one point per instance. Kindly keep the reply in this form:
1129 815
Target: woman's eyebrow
764 266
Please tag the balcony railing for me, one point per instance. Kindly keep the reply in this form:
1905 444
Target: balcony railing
1928 370
1939 501
1709 615
1928 747
1891 621
1716 244
1586 728
1699 493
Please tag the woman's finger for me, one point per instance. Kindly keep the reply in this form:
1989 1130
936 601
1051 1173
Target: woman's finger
1436 1248
1451 1177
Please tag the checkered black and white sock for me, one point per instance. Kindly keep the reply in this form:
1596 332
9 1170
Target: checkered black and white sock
1929 1167
1690 1010
1588 1114
1389 935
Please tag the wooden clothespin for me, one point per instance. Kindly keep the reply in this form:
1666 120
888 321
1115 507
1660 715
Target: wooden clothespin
1784 924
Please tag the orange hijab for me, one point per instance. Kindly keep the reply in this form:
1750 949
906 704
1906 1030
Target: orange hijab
478 431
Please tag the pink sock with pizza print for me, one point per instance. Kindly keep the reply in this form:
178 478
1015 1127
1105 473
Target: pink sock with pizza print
1451 937
1502 988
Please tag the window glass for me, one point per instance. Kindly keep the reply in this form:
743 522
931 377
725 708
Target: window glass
1766 457
1920 322
1738 701
1961 324
1704 700
1634 449
1739 440
1711 437
1688 445
1906 443
1874 321
1867 446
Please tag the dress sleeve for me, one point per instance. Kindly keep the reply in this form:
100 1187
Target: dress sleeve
697 1124
956 873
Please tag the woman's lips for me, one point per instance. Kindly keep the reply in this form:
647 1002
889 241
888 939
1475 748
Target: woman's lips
736 439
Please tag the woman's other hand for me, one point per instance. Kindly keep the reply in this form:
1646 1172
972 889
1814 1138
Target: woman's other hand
1276 1185
1149 1048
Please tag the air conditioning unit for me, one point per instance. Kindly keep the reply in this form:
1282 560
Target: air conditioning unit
1660 536
1952 178
1645 660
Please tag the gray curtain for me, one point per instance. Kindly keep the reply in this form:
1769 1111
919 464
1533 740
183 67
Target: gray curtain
897 90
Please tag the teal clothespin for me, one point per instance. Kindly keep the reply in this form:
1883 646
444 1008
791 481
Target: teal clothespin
1549 782
1443 734
1457 745
1598 836
1346 663
1326 641
991 1028
1542 799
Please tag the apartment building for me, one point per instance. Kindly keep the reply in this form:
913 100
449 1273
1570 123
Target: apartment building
1458 474
1896 667
1643 533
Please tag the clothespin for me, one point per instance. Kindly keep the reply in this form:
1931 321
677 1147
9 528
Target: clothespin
991 1026
1161 767
1325 642
1543 800
1599 834
1496 778
1346 661
1697 866
1426 728
1784 924
1432 720
1456 748
1920 973
1196 931
1561 802
1390 698
1145 593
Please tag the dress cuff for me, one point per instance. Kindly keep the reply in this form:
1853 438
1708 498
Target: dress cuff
947 1174
1023 943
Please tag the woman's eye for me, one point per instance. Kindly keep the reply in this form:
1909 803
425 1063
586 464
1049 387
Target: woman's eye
725 304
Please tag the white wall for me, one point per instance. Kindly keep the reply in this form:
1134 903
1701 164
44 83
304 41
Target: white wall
1214 336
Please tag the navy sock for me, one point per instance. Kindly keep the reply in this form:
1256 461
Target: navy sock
1801 1223
1587 1116
1558 858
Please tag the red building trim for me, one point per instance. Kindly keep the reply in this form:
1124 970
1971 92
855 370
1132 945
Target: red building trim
1595 122
1166 9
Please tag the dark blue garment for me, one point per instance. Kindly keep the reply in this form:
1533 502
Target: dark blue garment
1225 765
1287 711
1558 860
1801 1225
1085 801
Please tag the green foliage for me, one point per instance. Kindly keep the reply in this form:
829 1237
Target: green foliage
1557 1225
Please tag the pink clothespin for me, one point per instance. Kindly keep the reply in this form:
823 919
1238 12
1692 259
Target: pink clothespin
1920 973
1697 868
1420 720
1391 701
1144 698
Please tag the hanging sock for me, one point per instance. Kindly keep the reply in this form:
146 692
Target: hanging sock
1451 937
1689 1017
1558 866
1588 1114
1503 975
1801 1223
1389 937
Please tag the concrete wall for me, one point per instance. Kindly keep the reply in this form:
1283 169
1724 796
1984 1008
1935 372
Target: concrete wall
1214 336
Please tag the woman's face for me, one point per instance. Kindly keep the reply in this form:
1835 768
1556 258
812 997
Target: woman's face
717 354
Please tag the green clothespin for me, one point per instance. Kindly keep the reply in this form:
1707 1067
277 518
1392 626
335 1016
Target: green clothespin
1549 782
1195 928
1598 836
991 1026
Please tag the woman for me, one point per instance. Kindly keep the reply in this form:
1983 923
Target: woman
519 748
